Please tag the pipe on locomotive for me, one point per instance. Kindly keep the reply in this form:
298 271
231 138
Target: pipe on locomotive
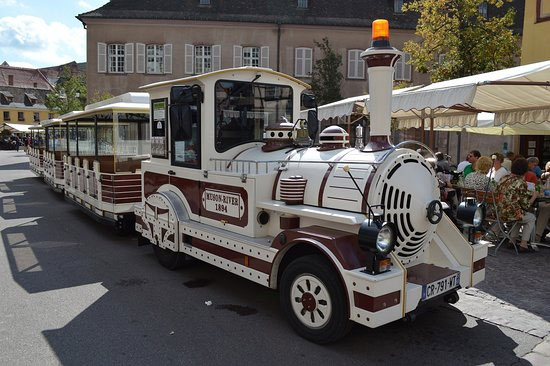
380 59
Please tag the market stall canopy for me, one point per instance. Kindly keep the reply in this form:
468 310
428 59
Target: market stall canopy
516 95
17 127
347 107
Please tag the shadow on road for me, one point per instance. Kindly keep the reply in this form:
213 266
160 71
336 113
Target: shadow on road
152 316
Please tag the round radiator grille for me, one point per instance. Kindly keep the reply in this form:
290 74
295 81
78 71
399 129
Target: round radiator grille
405 188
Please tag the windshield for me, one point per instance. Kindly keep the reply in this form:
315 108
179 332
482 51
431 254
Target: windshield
244 109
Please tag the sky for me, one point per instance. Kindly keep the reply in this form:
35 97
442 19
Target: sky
38 33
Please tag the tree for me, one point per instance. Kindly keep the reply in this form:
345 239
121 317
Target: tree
98 97
457 40
69 93
325 74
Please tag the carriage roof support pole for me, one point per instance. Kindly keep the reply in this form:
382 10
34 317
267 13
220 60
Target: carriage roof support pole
95 138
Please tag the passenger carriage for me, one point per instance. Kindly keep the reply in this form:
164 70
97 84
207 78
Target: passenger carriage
55 150
106 144
344 234
36 149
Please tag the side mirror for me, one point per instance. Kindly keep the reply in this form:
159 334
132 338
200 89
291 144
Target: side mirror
312 124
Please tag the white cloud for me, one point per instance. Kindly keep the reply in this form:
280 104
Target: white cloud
84 4
12 3
34 41
22 64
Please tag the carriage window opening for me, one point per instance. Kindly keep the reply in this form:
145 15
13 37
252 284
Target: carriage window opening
244 109
185 135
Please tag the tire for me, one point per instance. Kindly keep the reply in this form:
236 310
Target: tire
321 314
169 259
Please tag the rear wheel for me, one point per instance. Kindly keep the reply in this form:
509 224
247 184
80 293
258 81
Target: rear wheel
168 258
314 300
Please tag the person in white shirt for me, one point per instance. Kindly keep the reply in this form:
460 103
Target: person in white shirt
507 163
497 171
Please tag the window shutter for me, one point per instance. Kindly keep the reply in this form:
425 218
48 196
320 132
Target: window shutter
352 67
189 59
406 68
308 65
216 57
101 57
360 65
237 56
168 58
399 69
129 58
140 58
264 56
299 62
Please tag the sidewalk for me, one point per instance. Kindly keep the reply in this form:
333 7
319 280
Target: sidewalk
516 295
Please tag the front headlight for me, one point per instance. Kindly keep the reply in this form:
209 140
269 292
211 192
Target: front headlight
377 238
471 213
385 240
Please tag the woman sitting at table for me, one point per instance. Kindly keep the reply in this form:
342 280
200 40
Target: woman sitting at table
478 180
514 199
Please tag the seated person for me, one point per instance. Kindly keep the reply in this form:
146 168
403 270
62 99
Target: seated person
472 158
479 180
442 164
534 167
514 199
498 171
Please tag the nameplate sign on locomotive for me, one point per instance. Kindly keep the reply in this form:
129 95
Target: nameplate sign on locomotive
223 203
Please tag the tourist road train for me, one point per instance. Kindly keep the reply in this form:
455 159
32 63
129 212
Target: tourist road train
233 178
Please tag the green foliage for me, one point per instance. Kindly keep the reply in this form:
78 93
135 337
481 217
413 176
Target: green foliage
471 44
69 94
98 97
326 77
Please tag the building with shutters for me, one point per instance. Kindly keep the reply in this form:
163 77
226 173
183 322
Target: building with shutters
133 43
22 97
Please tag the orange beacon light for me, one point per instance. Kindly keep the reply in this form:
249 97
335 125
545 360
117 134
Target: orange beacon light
380 33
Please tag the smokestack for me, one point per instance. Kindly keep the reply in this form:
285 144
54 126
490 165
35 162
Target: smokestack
380 59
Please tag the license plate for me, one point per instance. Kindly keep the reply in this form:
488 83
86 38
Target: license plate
440 286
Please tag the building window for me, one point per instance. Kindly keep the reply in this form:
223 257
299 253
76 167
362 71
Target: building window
7 116
10 80
36 117
251 56
116 58
356 65
398 6
402 69
543 10
155 59
203 59
50 115
20 116
303 62
483 9
302 4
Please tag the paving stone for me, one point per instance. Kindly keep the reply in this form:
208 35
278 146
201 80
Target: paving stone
536 359
543 348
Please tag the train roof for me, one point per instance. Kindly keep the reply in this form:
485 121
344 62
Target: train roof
194 78
128 102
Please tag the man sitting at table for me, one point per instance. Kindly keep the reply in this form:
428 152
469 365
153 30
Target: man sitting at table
497 171
514 199
471 158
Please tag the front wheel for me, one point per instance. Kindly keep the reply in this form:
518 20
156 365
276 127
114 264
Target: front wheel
168 258
314 300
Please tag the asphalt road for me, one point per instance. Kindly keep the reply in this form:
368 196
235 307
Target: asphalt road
72 292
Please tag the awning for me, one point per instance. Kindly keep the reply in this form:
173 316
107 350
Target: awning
519 95
17 127
347 107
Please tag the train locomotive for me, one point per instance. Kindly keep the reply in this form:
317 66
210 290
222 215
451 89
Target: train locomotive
345 234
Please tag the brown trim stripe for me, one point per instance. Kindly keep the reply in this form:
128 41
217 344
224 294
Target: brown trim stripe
478 265
374 304
233 256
